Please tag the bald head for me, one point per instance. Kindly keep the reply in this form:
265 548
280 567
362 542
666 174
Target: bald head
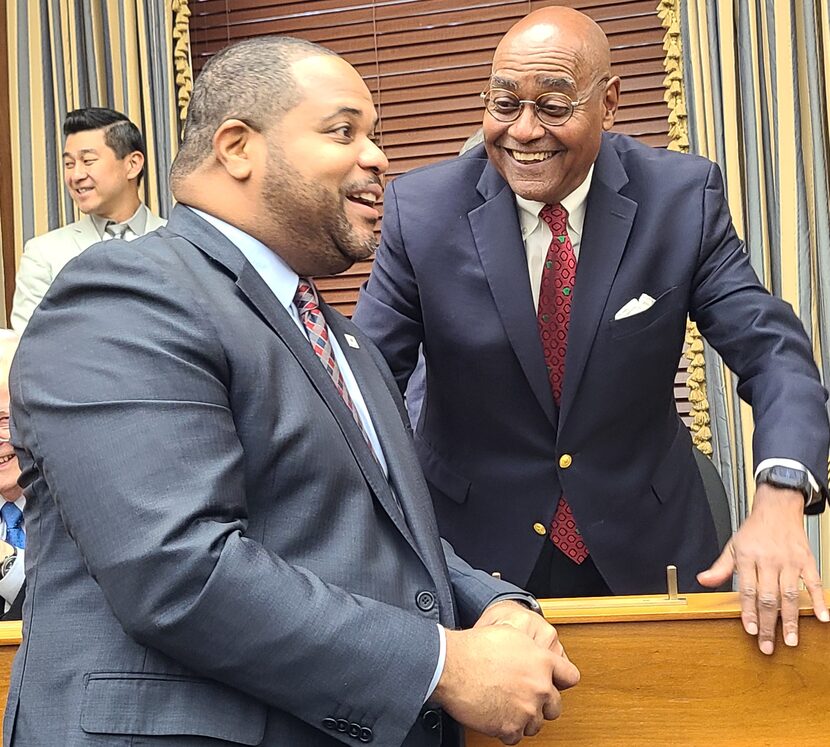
559 57
554 28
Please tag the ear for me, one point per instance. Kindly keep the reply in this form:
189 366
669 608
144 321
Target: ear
236 146
135 162
610 102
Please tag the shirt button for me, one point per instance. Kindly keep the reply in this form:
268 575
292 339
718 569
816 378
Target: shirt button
565 461
539 528
425 601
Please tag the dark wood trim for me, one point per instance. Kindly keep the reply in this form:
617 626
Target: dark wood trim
6 173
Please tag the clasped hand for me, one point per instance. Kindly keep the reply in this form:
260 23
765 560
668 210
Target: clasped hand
503 676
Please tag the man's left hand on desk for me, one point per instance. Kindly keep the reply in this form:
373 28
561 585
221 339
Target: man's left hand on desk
770 554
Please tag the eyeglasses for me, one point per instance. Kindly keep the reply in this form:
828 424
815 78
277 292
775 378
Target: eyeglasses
551 108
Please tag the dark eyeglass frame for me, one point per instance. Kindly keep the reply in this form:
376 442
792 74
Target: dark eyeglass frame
486 96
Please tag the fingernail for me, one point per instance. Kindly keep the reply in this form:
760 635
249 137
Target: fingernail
752 628
824 616
791 639
767 647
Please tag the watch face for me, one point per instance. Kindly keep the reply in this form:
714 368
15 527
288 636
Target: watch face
788 477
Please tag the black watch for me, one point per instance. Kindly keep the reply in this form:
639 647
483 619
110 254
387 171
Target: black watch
791 478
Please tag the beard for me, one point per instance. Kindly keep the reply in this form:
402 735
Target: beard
313 221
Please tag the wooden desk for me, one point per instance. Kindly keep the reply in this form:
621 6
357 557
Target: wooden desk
664 675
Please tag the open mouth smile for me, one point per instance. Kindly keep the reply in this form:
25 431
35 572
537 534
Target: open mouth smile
531 157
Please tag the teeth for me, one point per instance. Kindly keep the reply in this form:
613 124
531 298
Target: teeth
366 197
6 458
529 157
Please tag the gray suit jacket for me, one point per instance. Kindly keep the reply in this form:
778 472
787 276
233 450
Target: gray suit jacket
45 256
214 556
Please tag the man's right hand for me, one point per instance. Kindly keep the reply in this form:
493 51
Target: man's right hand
499 682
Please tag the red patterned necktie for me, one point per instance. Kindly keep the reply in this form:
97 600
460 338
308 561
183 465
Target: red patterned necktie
553 319
317 332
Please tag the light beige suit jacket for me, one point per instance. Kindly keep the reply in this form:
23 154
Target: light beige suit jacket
45 256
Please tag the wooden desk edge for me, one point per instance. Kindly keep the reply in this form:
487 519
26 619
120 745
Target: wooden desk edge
593 609
706 606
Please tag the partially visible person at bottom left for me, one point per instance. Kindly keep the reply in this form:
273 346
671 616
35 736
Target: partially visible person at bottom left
12 531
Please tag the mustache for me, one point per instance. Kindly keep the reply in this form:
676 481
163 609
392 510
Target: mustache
360 184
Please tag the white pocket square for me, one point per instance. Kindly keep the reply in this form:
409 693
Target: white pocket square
635 306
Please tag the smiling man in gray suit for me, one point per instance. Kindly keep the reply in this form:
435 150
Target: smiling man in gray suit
103 162
230 540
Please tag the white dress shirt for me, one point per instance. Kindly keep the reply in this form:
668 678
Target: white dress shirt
536 234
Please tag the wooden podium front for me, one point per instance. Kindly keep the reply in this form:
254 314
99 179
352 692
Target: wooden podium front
663 673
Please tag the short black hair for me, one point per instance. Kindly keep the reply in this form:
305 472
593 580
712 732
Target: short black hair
120 133
251 81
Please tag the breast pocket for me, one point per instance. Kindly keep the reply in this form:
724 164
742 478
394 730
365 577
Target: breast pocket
632 325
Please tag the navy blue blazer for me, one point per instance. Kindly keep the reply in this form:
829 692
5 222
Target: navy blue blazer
451 273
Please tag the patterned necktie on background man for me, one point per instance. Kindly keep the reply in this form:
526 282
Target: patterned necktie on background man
13 518
553 319
115 230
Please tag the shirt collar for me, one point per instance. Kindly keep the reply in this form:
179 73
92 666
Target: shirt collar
279 277
137 223
574 203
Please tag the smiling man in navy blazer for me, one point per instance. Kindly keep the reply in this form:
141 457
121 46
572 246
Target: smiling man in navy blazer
548 274
229 538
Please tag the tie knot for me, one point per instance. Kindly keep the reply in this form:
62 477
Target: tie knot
116 230
306 297
11 514
556 217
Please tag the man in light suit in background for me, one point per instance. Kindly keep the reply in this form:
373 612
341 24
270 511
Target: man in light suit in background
548 275
233 539
103 162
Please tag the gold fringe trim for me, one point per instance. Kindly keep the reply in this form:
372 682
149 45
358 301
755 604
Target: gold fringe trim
181 56
669 13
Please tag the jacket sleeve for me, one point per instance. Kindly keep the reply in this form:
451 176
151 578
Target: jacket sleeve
388 309
155 500
32 280
762 340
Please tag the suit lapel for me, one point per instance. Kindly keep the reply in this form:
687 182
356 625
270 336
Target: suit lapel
389 430
187 224
417 523
608 220
497 236
85 233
